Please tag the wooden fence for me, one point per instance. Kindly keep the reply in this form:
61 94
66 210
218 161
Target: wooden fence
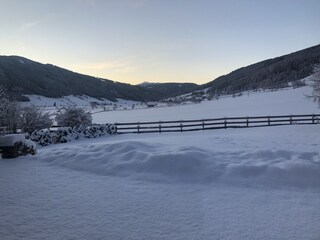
215 123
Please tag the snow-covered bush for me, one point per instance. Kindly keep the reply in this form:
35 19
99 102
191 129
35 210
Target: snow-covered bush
66 134
14 145
42 137
32 118
74 117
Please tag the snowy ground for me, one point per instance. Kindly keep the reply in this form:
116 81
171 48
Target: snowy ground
226 184
93 105
260 183
288 101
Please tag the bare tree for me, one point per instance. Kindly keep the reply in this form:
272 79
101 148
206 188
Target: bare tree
2 92
10 113
316 85
33 118
74 117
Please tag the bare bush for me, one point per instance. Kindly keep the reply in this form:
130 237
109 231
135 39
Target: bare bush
74 117
9 114
316 85
2 92
33 118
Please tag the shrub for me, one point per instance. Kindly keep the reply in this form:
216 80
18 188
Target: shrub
316 85
74 117
32 118
45 137
9 114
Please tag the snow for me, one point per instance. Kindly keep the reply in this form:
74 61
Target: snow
229 184
93 105
30 144
10 139
288 101
60 204
221 156
52 104
256 183
71 100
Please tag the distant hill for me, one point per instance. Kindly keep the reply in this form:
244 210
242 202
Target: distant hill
170 89
23 76
269 74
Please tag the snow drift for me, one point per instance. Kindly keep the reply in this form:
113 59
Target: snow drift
167 163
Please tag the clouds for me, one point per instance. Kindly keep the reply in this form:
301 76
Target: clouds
124 65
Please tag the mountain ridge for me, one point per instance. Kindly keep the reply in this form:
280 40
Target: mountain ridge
271 73
22 76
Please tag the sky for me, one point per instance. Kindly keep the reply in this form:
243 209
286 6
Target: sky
136 41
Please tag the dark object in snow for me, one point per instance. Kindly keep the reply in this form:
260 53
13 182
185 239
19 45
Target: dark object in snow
14 145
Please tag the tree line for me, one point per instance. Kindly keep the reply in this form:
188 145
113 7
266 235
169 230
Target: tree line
268 75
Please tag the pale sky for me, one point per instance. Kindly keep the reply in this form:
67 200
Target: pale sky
134 41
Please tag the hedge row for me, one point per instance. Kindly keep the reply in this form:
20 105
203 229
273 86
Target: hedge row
45 137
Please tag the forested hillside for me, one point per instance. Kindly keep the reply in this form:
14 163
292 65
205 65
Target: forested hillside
23 76
269 74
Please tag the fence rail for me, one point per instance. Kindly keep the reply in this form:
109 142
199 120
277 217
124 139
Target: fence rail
215 123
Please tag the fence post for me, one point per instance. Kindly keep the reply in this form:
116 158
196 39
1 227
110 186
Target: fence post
159 127
202 125
247 121
138 128
268 120
290 119
312 118
225 123
181 126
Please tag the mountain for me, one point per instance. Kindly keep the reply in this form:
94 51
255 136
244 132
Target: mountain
23 76
170 89
269 74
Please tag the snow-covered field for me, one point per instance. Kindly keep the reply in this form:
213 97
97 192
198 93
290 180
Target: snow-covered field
259 183
287 101
93 105
64 101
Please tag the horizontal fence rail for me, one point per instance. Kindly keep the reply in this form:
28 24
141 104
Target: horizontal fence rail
215 123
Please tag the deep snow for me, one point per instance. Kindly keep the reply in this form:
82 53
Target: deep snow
43 202
277 156
259 183
228 184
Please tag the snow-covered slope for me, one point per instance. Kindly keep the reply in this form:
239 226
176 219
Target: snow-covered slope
80 101
282 102
86 102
